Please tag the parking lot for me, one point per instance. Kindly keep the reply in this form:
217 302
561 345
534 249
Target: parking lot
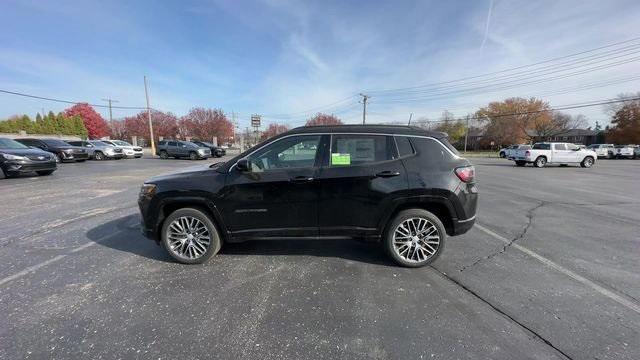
550 270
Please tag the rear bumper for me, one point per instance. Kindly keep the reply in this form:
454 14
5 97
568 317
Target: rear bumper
462 226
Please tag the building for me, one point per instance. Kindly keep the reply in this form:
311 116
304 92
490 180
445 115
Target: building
575 136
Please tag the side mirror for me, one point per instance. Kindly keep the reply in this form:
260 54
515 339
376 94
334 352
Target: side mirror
243 165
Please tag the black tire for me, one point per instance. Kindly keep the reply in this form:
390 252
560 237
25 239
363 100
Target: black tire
540 162
587 162
521 163
163 155
98 155
2 174
407 215
81 160
193 155
214 235
502 154
57 157
44 172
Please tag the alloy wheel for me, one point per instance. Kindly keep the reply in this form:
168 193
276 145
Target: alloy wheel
416 240
188 237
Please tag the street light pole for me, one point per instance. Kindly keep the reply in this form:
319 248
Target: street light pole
146 93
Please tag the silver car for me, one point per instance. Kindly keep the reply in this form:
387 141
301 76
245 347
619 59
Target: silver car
129 150
99 150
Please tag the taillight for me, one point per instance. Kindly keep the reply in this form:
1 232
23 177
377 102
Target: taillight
466 173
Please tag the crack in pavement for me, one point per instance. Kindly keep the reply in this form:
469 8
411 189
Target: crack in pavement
530 215
501 312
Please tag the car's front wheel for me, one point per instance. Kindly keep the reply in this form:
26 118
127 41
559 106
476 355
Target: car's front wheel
415 238
190 236
193 155
587 162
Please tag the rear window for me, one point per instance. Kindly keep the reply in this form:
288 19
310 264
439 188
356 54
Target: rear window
404 146
524 147
172 143
541 146
162 142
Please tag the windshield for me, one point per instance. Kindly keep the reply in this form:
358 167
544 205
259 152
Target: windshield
100 143
11 144
120 142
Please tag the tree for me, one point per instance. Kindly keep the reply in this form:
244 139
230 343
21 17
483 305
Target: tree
204 124
508 120
94 123
323 119
116 129
272 130
545 127
455 128
626 125
164 125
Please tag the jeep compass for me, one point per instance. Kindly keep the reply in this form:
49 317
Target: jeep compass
402 186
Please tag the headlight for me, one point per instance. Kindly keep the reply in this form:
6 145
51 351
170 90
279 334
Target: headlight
147 190
110 150
13 157
201 151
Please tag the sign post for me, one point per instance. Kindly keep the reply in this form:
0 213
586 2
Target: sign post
255 123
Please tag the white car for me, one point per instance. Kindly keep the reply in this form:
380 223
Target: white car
129 150
555 153
510 151
603 150
625 151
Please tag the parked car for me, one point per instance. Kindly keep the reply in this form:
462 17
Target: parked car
182 149
636 152
625 151
129 150
603 150
99 150
216 151
555 153
62 151
17 158
402 186
510 151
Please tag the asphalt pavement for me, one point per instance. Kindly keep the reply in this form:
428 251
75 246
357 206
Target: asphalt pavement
551 270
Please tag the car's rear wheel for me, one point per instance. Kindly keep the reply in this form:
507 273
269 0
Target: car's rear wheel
521 163
164 155
190 236
415 238
193 155
502 154
587 162
541 161
98 155
45 172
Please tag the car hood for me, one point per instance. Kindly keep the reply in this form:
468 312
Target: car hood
22 152
184 174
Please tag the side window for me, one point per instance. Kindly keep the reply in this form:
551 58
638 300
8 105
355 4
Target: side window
404 146
431 152
572 147
360 149
288 153
162 143
171 143
559 147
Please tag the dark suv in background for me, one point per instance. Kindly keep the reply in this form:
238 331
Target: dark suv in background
402 186
61 150
182 149
16 158
216 151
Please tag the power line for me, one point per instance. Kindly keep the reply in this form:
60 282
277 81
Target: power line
70 102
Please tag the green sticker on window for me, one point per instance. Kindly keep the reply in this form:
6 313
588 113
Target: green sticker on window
340 159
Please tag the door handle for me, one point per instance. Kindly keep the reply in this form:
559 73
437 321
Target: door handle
387 173
301 179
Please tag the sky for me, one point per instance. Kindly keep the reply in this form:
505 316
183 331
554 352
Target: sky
288 59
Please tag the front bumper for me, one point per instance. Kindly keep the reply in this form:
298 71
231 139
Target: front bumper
26 166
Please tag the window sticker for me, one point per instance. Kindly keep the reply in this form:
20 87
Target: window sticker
340 159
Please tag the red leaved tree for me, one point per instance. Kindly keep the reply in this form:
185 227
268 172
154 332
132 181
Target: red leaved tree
164 125
323 119
274 129
204 124
96 126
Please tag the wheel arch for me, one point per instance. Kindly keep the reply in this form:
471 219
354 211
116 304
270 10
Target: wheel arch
439 206
170 205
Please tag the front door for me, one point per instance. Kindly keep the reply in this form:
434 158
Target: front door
278 196
360 178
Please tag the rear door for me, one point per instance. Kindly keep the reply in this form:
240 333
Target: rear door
172 148
560 154
358 180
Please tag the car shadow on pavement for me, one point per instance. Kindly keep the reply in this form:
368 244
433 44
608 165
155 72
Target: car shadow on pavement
124 234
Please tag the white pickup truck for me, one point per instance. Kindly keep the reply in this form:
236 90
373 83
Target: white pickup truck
555 153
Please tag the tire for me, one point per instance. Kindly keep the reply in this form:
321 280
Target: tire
81 160
587 162
163 155
540 162
176 233
99 156
2 174
44 172
57 157
401 251
193 155
502 154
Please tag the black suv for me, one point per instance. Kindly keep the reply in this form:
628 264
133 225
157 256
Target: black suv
399 185
216 151
16 158
61 150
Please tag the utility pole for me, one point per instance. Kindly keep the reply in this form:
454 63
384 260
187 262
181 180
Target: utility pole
410 116
364 107
110 101
146 93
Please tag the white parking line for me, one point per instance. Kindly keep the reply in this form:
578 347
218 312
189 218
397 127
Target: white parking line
31 269
620 299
